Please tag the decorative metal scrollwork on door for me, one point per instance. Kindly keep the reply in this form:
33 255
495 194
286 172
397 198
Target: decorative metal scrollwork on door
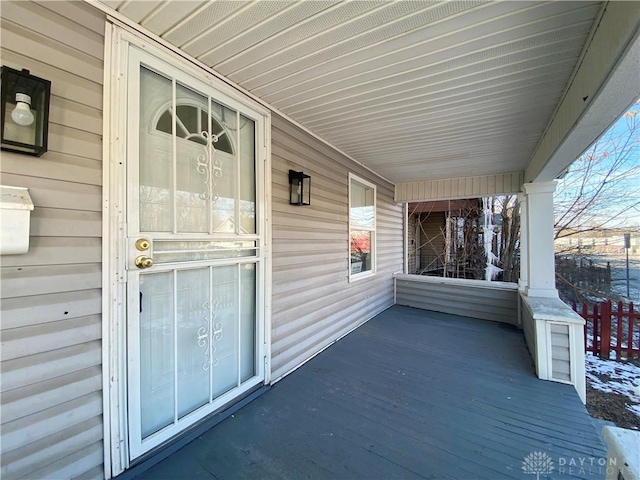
209 166
210 334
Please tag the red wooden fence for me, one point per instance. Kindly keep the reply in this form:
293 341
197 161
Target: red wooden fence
608 330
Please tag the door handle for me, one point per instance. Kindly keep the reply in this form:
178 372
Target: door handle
143 261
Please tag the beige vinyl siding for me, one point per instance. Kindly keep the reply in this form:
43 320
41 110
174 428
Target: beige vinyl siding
560 354
528 327
432 228
313 302
496 301
459 188
413 243
51 298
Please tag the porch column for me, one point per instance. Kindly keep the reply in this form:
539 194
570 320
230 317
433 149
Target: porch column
541 276
524 243
554 332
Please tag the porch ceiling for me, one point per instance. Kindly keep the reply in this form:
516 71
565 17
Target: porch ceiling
415 90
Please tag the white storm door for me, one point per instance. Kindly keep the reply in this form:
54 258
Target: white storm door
195 276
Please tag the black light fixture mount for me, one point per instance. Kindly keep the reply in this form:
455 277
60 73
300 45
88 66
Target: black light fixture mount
299 188
25 112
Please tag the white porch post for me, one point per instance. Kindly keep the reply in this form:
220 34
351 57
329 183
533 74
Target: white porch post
524 243
405 229
541 276
553 331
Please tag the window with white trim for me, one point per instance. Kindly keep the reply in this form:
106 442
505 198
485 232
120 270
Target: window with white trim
362 227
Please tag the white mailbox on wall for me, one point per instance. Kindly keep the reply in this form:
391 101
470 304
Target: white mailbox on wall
15 213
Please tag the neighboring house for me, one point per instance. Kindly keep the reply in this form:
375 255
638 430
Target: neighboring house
438 232
597 243
105 356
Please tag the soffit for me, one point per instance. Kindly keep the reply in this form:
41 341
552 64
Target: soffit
415 90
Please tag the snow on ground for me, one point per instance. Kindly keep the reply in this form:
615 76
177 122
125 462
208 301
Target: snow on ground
617 377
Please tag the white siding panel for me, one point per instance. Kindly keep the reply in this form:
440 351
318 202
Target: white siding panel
79 13
49 422
25 371
529 328
495 301
58 194
33 310
53 222
75 115
68 467
313 301
21 342
36 398
55 166
74 142
560 354
96 473
68 85
38 47
51 401
55 27
41 453
458 188
58 250
29 281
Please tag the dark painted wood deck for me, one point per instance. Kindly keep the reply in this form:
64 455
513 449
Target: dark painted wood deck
410 394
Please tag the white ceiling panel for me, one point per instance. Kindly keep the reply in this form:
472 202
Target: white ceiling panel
267 28
168 13
451 60
211 15
419 83
245 18
297 40
138 11
113 3
414 89
445 95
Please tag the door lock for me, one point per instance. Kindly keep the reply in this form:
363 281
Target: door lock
143 261
143 244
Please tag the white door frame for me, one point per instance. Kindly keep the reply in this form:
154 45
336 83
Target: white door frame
114 250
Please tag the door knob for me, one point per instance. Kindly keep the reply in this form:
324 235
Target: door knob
143 244
143 261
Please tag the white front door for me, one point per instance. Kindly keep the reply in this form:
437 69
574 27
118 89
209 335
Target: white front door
195 261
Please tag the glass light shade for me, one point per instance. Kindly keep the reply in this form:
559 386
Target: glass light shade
22 113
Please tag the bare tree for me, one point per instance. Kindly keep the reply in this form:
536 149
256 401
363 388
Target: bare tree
597 197
457 249
509 252
600 190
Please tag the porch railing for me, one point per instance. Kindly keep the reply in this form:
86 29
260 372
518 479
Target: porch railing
611 331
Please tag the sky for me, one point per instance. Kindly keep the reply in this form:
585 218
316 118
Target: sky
608 175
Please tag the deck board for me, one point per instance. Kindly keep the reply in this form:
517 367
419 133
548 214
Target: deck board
410 394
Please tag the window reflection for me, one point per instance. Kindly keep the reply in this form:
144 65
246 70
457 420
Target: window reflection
362 218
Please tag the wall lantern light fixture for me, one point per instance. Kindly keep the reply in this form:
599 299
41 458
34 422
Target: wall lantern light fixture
299 188
25 112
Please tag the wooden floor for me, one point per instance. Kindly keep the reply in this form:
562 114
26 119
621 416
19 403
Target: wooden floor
410 394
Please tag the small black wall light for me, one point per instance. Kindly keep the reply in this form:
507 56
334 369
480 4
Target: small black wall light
299 188
25 112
